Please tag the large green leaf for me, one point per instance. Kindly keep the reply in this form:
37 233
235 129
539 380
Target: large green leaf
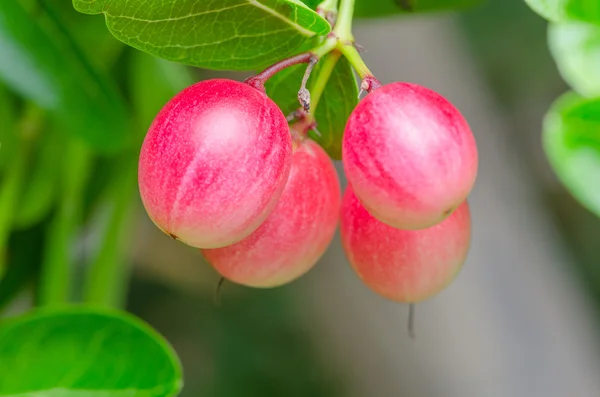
224 34
564 10
572 144
370 8
575 47
85 352
335 105
41 62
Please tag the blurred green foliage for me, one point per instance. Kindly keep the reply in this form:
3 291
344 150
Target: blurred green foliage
75 104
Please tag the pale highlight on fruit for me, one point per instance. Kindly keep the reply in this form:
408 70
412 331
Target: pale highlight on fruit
409 155
214 162
296 233
404 265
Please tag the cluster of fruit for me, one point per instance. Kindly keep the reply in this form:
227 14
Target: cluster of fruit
221 170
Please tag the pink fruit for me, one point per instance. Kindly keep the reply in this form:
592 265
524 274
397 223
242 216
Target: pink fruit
295 234
214 163
410 156
404 265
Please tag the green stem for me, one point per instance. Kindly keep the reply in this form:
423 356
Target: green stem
343 26
351 53
345 44
328 64
106 279
57 265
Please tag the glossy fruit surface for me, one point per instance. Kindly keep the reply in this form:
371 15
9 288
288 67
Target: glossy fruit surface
295 234
409 155
404 265
214 163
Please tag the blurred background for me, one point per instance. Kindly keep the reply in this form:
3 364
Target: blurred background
520 320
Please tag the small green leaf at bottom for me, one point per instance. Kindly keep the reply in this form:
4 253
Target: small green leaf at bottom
77 352
572 143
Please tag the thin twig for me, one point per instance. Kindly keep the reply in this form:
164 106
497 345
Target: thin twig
217 296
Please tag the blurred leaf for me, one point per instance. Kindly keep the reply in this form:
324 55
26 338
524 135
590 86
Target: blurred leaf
77 352
335 105
8 136
565 10
575 47
84 30
224 34
572 144
23 261
58 262
107 277
154 82
379 8
39 194
10 190
41 62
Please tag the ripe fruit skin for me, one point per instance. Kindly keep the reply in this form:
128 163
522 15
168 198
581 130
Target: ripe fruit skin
409 155
214 162
295 234
404 265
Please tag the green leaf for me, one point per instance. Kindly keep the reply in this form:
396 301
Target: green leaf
379 8
334 107
41 62
572 144
575 47
224 34
85 352
565 10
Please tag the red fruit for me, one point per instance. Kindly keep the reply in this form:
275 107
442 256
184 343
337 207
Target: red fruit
404 265
214 162
295 234
409 155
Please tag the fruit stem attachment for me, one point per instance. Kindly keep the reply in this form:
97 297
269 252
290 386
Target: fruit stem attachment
369 82
258 81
